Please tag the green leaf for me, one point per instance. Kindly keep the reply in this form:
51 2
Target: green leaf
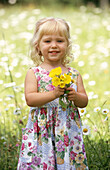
67 91
62 104
30 153
42 116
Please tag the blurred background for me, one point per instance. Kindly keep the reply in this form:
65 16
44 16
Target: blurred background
89 22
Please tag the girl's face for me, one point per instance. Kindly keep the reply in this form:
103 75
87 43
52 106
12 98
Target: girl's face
53 47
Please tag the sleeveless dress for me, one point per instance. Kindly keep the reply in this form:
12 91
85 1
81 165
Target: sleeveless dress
52 139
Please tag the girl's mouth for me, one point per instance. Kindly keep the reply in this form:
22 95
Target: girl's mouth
53 52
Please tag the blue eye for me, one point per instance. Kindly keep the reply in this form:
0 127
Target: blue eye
59 41
47 41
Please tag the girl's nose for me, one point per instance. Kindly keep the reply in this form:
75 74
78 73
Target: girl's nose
53 44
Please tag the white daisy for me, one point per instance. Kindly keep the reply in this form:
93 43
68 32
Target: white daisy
105 111
86 129
91 83
97 109
82 111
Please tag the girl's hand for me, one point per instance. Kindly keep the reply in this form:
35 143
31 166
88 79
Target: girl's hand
58 91
72 94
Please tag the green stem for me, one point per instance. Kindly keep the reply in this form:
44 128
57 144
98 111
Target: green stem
94 149
11 78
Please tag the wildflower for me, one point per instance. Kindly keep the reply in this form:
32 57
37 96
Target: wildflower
86 129
55 81
105 111
62 84
57 71
12 2
97 109
82 111
73 81
18 75
92 83
86 76
17 111
17 145
20 122
81 63
88 115
67 78
61 80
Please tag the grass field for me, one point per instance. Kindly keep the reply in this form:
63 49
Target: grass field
90 32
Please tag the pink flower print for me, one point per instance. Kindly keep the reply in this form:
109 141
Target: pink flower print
68 124
42 128
46 79
47 125
44 166
60 146
44 135
36 70
38 78
30 130
66 140
85 155
22 146
72 115
52 161
50 87
83 148
71 143
69 69
29 168
29 144
36 127
73 155
25 137
36 161
57 122
43 111
78 138
51 168
38 85
43 71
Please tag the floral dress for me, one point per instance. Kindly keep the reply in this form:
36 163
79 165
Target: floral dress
52 139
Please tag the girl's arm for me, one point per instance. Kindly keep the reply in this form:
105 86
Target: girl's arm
35 98
80 97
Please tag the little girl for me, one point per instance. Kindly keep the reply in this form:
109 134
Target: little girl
52 139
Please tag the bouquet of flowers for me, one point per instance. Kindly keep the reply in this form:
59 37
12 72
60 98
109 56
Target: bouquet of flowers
62 80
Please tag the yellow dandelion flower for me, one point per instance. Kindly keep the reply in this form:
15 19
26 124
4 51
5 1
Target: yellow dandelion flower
67 79
62 78
62 84
57 71
70 74
73 81
55 81
52 73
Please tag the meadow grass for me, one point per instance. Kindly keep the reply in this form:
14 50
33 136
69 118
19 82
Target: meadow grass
90 32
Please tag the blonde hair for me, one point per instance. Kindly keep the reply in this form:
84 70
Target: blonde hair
49 26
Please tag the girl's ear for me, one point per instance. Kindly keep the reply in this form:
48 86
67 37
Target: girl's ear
38 50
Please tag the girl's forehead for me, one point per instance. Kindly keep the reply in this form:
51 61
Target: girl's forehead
53 35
